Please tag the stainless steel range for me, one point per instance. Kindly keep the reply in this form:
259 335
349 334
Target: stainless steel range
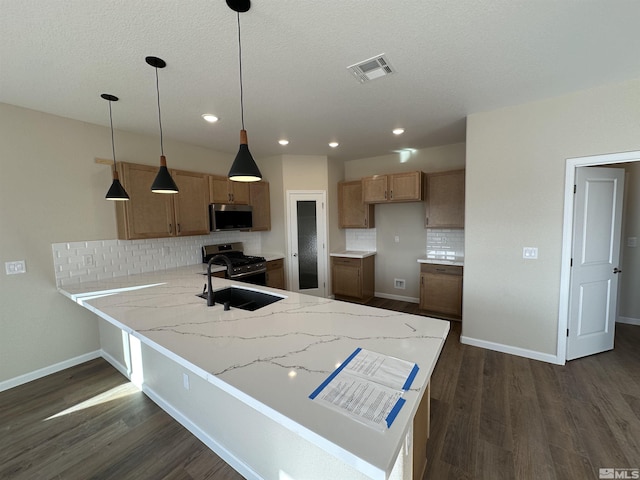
245 268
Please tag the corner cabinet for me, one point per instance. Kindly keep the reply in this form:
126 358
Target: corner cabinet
352 211
275 274
259 199
445 200
352 279
441 290
396 187
223 190
154 215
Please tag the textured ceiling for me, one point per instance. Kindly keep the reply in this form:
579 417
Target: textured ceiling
452 58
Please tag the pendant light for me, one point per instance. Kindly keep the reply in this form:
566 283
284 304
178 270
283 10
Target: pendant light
244 168
163 182
117 191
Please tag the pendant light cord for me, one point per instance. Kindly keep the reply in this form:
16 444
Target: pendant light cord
159 115
113 146
240 62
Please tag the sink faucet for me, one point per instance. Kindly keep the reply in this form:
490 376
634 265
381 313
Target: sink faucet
210 300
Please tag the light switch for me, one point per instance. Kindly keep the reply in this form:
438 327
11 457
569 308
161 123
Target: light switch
530 253
13 268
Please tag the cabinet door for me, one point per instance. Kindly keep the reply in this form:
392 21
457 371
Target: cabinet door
223 190
445 200
240 192
352 212
441 293
346 277
374 189
260 201
219 189
191 204
406 187
146 214
275 274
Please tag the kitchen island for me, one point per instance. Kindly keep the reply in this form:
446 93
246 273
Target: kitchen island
240 380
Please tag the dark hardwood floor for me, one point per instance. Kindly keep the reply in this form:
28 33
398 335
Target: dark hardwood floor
493 416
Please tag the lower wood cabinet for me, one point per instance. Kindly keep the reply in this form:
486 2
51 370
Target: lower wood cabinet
275 274
353 279
441 290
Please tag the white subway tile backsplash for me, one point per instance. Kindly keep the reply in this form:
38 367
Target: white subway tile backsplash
114 258
360 239
445 243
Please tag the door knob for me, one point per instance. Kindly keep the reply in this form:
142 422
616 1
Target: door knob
295 254
617 270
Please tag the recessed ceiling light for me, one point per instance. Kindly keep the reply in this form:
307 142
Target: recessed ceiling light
283 142
333 144
210 118
398 131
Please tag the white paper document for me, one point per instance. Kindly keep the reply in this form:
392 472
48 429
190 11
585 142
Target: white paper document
368 387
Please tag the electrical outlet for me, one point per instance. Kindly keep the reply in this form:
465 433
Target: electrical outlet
396 239
13 268
632 241
399 283
89 260
530 253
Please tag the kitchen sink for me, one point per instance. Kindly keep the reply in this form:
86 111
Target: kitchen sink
242 298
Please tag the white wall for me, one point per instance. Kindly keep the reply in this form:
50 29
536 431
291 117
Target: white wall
52 191
514 198
405 220
629 306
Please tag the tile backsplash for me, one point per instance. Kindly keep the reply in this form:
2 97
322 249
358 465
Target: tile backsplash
361 239
76 262
444 243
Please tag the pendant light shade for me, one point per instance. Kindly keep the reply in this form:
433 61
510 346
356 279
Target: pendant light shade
244 168
163 182
116 191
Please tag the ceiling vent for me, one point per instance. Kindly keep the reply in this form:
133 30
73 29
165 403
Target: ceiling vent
375 67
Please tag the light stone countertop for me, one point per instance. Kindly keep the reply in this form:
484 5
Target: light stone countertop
250 354
459 261
353 254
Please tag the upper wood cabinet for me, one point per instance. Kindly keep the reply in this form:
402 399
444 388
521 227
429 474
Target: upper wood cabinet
155 215
191 203
445 200
352 211
223 190
260 201
396 187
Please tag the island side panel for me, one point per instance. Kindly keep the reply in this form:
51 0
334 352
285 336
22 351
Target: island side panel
256 446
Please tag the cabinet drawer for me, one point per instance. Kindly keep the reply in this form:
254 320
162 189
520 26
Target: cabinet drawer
275 264
441 269
351 262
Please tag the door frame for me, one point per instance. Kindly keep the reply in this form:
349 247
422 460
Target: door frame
322 258
567 235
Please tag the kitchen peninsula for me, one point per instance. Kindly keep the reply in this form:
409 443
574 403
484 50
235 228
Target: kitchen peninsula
240 380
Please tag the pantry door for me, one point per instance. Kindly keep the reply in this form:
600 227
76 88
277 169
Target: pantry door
307 221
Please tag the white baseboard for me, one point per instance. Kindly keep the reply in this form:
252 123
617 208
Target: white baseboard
237 464
397 297
116 364
629 320
520 352
43 372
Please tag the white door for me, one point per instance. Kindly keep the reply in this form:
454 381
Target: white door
306 220
593 290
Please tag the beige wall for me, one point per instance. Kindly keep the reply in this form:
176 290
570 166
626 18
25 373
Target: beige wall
516 160
52 191
405 220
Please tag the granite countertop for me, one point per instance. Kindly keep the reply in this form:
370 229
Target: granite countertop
459 261
250 355
353 253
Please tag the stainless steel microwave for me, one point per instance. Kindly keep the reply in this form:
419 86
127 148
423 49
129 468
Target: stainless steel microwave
230 217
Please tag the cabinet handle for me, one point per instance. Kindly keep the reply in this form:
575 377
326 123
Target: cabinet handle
440 270
170 228
178 228
391 194
385 194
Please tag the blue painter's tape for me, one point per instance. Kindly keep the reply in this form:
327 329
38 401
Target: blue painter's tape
412 375
315 393
394 411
